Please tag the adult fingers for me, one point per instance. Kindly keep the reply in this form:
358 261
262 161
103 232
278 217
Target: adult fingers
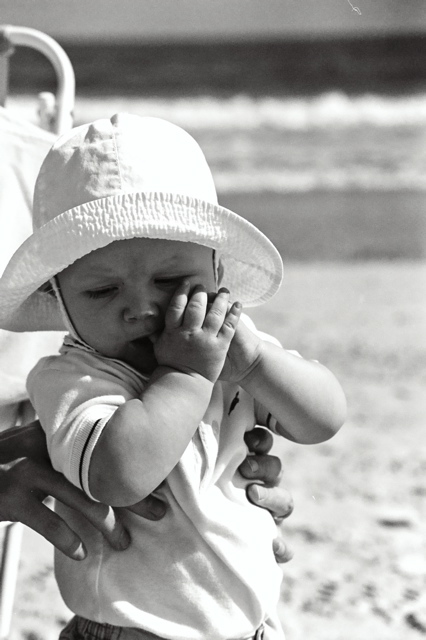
265 468
19 442
101 516
150 508
48 524
282 551
176 309
277 500
259 440
196 308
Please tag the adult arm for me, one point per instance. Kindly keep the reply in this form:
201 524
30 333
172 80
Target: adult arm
27 478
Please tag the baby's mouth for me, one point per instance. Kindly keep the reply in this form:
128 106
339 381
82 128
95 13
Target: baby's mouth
141 355
149 339
144 340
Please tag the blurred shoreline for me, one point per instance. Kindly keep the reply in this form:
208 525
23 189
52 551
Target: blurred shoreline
386 63
320 142
331 142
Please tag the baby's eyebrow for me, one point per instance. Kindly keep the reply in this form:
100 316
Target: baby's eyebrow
93 277
99 268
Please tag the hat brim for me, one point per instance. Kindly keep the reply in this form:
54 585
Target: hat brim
252 265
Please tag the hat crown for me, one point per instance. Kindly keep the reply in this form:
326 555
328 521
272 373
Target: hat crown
128 177
127 154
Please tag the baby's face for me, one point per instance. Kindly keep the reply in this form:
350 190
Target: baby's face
117 296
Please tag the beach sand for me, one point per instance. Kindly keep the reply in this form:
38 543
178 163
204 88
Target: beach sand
338 225
359 526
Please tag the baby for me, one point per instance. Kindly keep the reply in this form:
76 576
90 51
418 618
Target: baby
158 380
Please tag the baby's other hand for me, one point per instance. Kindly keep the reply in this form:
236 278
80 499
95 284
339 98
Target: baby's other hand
243 353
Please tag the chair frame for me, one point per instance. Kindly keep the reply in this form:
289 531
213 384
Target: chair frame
55 115
9 574
61 117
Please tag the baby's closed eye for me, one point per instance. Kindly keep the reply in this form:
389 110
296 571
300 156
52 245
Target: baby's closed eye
101 293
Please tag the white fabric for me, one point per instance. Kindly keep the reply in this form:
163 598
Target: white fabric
23 147
123 178
207 569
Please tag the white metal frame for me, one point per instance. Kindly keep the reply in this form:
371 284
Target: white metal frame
56 115
9 573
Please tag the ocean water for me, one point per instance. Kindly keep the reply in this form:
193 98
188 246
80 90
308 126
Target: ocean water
277 117
331 141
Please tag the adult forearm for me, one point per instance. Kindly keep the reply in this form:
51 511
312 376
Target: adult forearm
303 396
20 442
146 437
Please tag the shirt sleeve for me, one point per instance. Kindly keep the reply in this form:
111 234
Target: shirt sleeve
74 401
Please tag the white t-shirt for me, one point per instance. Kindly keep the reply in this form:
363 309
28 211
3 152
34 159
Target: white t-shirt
207 569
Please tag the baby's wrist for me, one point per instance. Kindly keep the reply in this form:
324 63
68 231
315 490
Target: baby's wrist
248 375
184 371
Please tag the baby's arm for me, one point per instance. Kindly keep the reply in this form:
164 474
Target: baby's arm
145 437
303 396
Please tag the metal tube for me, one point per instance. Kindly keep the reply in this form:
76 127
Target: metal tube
8 575
6 50
24 36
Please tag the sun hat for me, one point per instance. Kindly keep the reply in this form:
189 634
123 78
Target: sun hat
122 178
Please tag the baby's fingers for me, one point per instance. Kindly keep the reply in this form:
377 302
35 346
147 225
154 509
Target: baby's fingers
177 305
217 311
195 311
230 323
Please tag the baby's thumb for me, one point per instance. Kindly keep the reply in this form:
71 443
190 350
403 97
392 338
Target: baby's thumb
155 336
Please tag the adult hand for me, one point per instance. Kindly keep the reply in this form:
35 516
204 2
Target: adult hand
265 470
27 478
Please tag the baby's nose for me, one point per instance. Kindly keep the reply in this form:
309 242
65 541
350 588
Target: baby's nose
139 310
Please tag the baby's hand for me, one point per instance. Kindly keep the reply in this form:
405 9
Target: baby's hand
243 353
197 335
